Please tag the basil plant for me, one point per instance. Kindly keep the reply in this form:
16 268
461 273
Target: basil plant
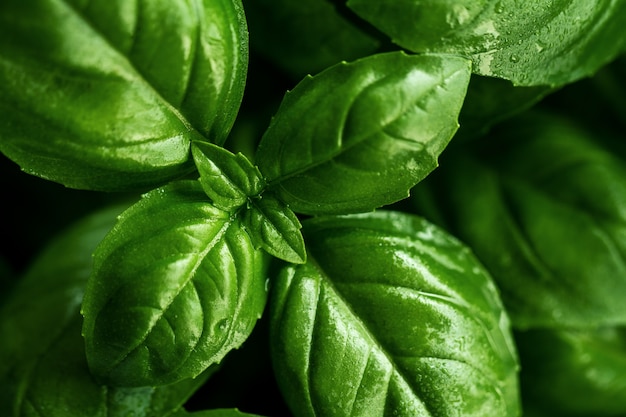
227 208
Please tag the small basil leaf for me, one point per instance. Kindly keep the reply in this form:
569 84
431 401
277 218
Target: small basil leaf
390 316
306 36
176 285
533 43
227 179
358 136
275 228
542 204
574 372
127 86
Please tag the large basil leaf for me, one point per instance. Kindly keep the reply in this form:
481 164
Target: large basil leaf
542 204
574 372
107 95
43 369
530 43
390 316
176 285
306 36
358 136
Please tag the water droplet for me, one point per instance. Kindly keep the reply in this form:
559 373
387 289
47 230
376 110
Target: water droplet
223 325
539 47
499 8
514 58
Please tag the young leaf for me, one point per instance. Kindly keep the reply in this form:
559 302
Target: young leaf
390 316
227 179
532 43
358 136
542 204
176 285
275 228
574 372
127 86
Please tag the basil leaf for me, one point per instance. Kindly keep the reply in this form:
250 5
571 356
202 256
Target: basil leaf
534 43
575 372
358 136
43 369
222 412
127 86
542 205
227 179
59 384
390 316
493 100
306 36
176 285
275 228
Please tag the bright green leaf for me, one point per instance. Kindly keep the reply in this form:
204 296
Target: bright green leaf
358 136
390 316
275 228
540 42
574 372
108 95
177 284
227 179
543 205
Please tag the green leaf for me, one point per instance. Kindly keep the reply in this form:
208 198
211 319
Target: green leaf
227 179
306 36
126 86
43 369
176 285
543 205
390 316
222 412
542 42
575 372
275 228
358 136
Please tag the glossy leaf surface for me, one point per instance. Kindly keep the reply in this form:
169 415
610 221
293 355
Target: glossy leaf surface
107 95
575 372
543 205
358 136
176 285
390 316
275 228
541 42
43 369
227 179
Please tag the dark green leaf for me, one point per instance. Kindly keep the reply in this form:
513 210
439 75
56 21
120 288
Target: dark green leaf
222 412
575 372
43 369
358 136
108 95
390 316
304 37
275 228
541 42
176 285
228 179
543 205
